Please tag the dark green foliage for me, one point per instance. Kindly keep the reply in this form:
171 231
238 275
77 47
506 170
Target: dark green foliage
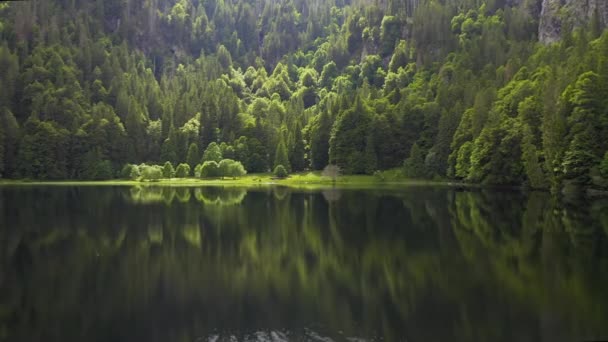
192 158
413 166
280 171
319 133
182 170
348 138
95 168
604 166
43 151
458 90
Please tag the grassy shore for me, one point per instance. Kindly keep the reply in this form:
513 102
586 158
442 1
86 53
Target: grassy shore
297 180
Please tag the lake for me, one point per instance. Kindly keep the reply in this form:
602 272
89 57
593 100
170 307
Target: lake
278 264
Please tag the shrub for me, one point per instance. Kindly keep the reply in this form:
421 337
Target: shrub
237 170
280 171
197 170
231 168
130 171
182 171
151 172
209 169
125 172
331 171
135 172
168 171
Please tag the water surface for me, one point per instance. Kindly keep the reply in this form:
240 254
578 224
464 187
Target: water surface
275 264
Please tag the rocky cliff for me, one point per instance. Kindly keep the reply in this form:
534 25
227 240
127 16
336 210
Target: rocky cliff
557 13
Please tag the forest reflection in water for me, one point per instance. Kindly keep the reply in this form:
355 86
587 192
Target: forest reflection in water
197 264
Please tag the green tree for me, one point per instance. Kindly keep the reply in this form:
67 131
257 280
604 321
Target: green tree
168 171
348 138
192 157
210 169
280 156
150 173
413 166
212 153
280 171
182 171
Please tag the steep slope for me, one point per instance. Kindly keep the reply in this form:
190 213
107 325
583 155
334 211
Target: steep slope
555 14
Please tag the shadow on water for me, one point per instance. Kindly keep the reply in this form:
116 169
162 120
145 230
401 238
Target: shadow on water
273 264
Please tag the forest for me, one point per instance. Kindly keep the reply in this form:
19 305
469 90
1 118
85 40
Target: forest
439 89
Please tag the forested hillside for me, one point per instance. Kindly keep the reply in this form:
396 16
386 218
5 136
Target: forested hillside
458 89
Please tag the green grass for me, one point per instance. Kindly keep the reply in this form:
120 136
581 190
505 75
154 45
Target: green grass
390 178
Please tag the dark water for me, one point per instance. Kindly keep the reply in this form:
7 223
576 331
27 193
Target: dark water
213 264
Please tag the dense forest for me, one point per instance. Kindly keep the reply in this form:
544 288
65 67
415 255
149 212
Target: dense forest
445 89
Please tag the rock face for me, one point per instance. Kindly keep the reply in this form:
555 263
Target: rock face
555 13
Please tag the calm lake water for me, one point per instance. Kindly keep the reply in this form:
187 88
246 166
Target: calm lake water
275 264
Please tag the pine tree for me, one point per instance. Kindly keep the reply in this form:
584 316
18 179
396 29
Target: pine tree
281 157
193 157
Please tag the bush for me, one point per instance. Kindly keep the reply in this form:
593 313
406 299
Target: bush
135 172
130 171
231 168
209 169
237 170
280 171
151 172
182 171
197 170
125 172
168 171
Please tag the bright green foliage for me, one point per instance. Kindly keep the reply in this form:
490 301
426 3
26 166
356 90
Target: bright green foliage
209 169
212 153
182 170
168 170
231 168
400 57
151 172
302 84
280 171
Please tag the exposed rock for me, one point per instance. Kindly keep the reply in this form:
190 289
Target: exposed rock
555 13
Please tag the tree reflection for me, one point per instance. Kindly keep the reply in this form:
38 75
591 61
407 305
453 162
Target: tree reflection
160 263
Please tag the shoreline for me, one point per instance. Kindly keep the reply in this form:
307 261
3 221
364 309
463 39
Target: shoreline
300 180
306 181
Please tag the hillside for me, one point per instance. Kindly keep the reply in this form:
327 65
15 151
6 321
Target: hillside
508 92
